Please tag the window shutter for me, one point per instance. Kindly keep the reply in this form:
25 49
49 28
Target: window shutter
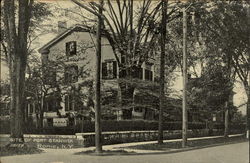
123 59
75 77
70 102
104 70
114 69
151 75
140 72
31 108
66 103
146 74
67 48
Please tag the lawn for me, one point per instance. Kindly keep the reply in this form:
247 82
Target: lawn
10 151
190 144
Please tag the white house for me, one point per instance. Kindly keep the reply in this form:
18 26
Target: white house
74 48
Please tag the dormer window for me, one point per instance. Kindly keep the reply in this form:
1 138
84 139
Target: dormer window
71 48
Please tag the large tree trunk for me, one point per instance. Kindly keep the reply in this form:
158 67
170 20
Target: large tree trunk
17 98
126 94
16 38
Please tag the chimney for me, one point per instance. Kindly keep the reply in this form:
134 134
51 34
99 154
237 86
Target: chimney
62 26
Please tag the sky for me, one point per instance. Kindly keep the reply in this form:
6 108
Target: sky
239 97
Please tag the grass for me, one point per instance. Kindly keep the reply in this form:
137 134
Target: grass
22 150
190 144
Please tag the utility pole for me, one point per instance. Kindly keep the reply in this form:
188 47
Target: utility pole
248 91
227 104
98 136
184 98
248 110
162 69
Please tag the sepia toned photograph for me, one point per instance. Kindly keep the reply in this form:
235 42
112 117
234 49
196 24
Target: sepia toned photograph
125 81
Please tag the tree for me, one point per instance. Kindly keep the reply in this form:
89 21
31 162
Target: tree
221 32
133 35
4 98
17 21
214 34
37 87
39 12
208 93
17 36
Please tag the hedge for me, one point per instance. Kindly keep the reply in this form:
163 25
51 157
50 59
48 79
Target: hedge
126 125
88 126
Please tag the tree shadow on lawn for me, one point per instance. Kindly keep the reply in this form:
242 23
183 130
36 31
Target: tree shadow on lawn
167 148
105 152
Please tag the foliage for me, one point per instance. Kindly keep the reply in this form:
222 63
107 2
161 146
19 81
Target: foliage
133 28
5 88
225 30
40 11
210 92
217 51
112 125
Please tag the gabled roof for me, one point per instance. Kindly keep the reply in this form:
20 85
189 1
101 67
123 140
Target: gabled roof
76 28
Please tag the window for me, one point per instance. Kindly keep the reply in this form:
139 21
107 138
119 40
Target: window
50 77
137 73
148 75
71 74
52 104
109 70
138 110
71 48
69 102
31 108
122 72
50 122
123 59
